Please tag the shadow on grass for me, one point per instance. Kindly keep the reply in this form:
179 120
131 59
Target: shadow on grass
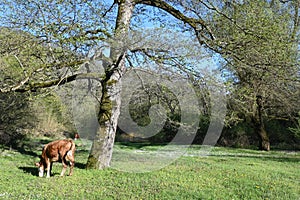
80 165
139 145
27 152
31 147
261 157
34 170
30 170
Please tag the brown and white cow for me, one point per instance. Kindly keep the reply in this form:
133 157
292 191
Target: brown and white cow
56 151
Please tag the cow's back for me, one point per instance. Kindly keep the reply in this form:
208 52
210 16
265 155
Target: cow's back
56 150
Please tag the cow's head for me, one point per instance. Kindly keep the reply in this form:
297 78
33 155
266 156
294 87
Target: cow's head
40 166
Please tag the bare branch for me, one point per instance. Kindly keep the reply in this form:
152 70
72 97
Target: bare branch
46 84
196 24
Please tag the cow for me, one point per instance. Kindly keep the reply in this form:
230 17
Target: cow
56 151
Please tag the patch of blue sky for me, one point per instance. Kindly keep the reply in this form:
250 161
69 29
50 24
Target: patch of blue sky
178 44
151 19
160 29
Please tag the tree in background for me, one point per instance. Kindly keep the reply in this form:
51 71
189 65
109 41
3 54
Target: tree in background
22 58
15 115
262 62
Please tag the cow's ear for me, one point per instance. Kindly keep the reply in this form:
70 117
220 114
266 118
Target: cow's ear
37 164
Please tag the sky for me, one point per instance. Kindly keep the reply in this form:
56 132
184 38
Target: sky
149 22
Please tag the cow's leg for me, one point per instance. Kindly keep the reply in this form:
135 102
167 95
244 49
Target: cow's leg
49 166
64 168
72 163
71 159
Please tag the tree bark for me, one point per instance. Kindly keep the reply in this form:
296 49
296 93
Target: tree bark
257 119
102 148
109 111
264 143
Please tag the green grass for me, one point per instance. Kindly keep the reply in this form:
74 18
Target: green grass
225 174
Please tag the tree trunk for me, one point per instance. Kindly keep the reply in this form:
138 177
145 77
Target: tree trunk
257 119
264 143
102 148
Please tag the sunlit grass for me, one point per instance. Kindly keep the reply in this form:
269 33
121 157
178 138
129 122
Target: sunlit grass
224 174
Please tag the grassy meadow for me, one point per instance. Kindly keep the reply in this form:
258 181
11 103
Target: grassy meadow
224 174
